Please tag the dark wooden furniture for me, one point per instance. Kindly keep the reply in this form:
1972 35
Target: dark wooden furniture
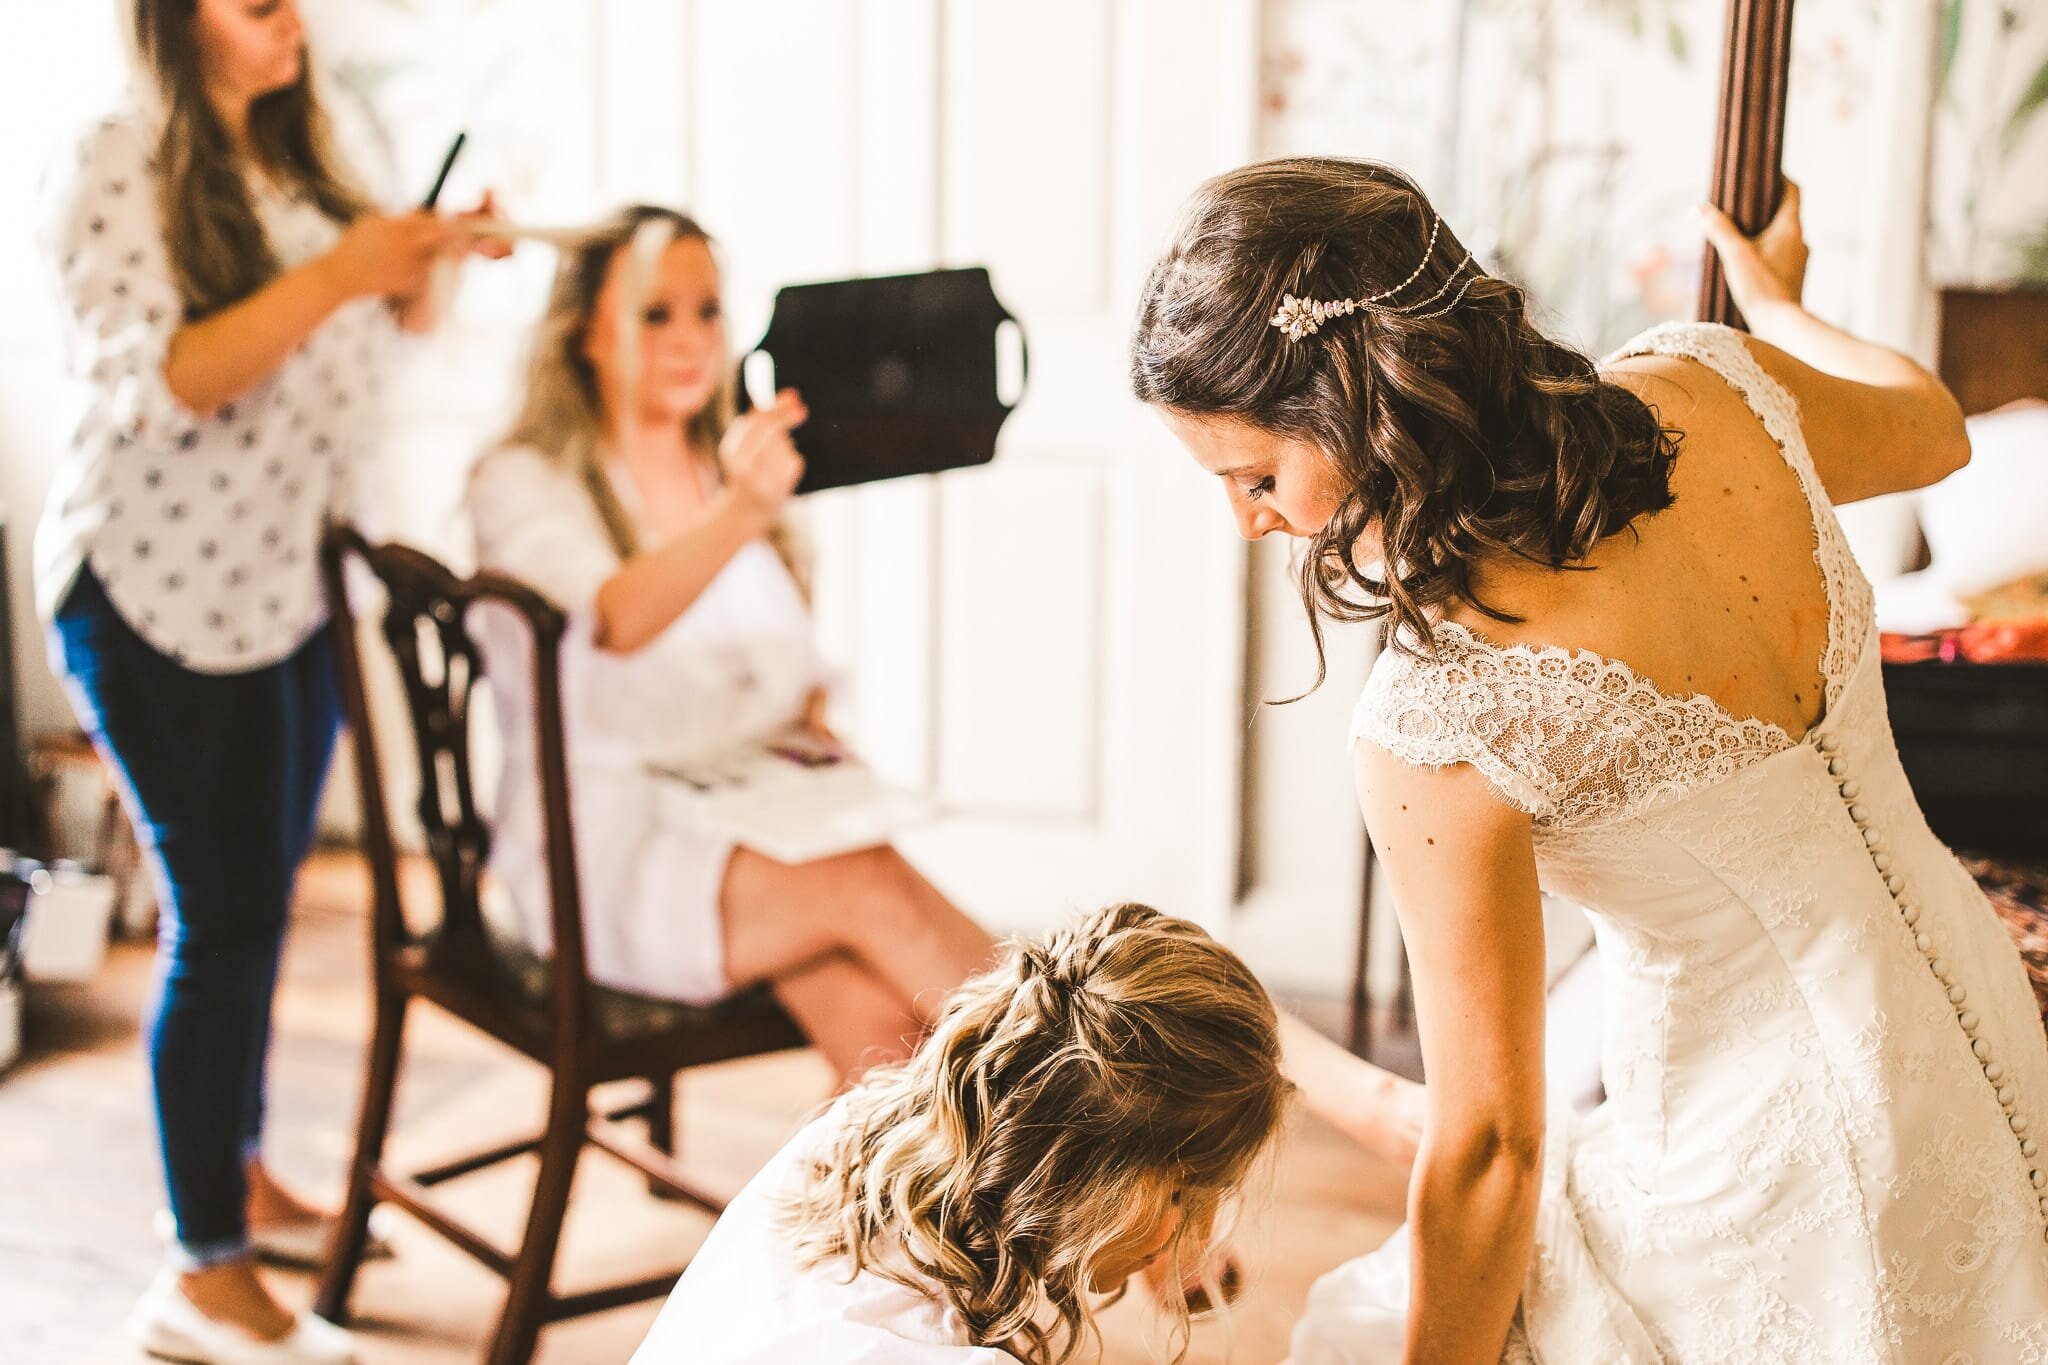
1363 1031
1973 737
19 824
1749 133
1994 345
547 1012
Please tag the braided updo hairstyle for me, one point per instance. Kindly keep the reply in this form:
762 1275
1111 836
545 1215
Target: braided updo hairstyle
1460 433
1071 1096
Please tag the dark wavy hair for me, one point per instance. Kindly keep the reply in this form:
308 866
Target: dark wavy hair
217 245
1462 436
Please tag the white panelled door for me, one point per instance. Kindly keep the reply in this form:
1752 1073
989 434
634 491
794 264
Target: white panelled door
1052 644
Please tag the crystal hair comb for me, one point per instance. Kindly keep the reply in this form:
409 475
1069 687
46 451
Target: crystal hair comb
1301 317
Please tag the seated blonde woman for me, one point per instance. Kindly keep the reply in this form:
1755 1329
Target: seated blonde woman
1088 1108
626 495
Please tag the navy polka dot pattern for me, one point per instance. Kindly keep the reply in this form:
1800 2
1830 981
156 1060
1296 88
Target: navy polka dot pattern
202 527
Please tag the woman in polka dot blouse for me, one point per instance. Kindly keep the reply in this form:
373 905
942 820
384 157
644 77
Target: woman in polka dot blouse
228 294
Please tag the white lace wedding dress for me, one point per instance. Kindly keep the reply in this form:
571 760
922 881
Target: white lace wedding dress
1827 1079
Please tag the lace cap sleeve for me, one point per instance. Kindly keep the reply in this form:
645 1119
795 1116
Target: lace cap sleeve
1435 714
1567 735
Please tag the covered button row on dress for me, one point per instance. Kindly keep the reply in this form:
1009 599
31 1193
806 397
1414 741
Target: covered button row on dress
1943 969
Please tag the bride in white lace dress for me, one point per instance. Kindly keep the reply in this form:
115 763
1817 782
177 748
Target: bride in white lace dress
1636 666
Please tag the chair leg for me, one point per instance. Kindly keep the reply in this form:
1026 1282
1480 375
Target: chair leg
528 1293
661 1124
43 796
379 1086
1404 1001
111 816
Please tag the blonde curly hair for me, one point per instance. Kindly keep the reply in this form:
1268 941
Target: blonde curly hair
1067 1101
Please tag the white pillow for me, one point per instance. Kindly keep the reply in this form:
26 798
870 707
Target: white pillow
1987 523
1916 604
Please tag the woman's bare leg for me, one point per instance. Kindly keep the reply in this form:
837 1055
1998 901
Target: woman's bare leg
853 1016
871 906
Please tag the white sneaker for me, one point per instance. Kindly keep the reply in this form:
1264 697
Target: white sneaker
297 1246
167 1325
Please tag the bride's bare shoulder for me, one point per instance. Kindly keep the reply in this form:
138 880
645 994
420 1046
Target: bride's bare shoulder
1693 400
1678 387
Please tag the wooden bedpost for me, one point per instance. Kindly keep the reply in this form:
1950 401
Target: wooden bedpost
1749 135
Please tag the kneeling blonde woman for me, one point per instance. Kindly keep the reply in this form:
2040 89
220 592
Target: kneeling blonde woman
1085 1109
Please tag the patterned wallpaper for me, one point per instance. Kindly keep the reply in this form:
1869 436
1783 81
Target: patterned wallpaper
1989 203
1569 139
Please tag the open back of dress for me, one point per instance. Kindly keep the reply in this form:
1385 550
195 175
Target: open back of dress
1824 1060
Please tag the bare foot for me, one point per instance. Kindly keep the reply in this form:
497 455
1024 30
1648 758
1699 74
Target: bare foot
232 1292
272 1205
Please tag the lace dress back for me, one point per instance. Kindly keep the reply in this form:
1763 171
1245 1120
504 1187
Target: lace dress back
1569 735
1823 1055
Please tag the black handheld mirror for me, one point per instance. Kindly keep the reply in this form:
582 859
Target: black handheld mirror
903 374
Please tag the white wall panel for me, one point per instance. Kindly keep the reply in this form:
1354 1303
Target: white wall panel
1020 616
643 96
773 145
1026 145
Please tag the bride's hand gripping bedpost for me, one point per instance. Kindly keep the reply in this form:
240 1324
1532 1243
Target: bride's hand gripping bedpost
1875 421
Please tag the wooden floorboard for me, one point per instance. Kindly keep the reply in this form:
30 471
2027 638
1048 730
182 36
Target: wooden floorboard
78 1177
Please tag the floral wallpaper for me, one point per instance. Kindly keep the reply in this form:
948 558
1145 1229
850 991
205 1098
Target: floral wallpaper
1568 140
1989 206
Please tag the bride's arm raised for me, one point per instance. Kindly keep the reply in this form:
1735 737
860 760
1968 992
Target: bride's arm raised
1462 866
1875 421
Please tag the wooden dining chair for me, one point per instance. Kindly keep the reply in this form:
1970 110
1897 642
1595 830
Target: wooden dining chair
546 1010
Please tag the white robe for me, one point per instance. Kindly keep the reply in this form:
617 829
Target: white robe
745 1301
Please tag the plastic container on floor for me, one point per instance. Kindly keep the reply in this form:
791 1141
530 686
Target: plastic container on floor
57 915
68 916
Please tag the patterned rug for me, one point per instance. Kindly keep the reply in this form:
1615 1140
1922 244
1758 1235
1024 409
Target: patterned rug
2019 893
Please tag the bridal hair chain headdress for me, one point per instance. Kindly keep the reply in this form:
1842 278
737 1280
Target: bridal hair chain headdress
1300 317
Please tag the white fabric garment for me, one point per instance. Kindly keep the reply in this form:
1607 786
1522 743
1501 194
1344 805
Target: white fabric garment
204 530
1983 522
745 1301
735 667
1824 1063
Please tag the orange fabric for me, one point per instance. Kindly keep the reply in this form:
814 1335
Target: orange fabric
1982 642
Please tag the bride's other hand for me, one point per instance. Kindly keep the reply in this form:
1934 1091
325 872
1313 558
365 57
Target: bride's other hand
1767 269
